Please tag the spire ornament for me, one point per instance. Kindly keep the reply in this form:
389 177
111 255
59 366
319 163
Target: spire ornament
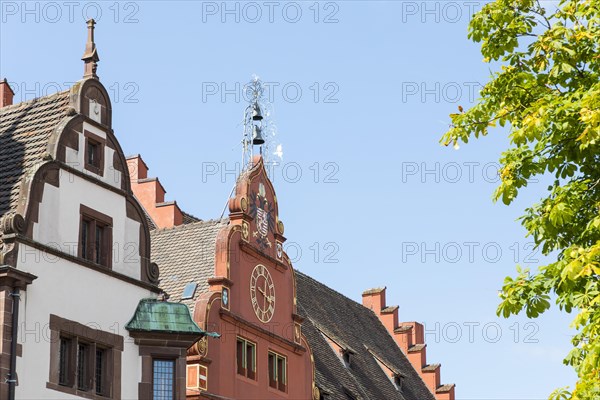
90 57
260 132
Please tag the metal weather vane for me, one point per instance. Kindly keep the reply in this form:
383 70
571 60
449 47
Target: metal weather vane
259 130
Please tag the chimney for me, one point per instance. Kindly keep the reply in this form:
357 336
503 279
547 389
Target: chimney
410 338
151 195
6 94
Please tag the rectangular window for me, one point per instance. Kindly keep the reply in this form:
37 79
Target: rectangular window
95 237
84 362
163 379
94 153
63 361
246 358
277 371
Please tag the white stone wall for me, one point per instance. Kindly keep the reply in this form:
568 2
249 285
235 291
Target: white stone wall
59 219
72 291
79 294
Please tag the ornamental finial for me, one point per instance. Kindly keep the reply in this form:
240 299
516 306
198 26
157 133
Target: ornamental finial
90 57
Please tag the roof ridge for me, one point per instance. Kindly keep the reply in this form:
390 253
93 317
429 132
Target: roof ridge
329 288
192 225
192 215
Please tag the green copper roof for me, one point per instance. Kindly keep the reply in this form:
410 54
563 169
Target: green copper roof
153 315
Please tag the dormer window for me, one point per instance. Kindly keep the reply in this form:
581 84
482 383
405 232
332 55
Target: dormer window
95 237
343 352
395 377
346 357
397 380
94 153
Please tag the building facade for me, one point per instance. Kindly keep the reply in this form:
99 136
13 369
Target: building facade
238 281
77 286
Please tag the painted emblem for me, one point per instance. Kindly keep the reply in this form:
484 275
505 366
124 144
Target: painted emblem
262 222
262 211
225 297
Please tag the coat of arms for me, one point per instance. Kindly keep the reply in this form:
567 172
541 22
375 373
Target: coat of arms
262 212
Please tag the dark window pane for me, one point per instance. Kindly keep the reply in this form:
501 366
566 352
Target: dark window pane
272 371
92 153
281 373
163 378
63 361
250 360
98 247
82 366
99 375
240 358
85 226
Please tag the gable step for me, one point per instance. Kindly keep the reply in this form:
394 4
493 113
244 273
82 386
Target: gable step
445 388
415 348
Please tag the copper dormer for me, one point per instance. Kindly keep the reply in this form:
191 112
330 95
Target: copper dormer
90 57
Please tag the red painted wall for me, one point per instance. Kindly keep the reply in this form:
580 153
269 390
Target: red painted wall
253 238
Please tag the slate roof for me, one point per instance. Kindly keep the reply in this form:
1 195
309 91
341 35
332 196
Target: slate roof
151 224
24 132
349 323
184 254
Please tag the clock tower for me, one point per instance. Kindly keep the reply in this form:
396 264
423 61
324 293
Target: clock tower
252 303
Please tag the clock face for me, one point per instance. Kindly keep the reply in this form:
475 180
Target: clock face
262 293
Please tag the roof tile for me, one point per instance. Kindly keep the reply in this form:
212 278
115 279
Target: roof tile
24 132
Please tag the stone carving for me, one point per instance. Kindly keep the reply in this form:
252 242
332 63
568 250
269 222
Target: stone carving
153 272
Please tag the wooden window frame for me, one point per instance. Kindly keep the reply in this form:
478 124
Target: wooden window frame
100 144
275 381
242 365
94 219
76 335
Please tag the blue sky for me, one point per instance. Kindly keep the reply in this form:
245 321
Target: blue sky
361 95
